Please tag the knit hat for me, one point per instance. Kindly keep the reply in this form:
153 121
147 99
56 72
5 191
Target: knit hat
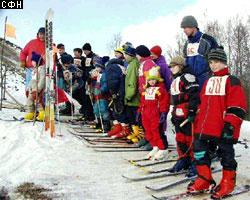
41 30
36 57
99 62
178 60
142 51
154 74
66 59
60 46
119 50
126 45
189 21
218 54
156 50
105 59
86 46
130 51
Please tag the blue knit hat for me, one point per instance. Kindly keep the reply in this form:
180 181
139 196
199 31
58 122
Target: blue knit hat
142 51
130 51
66 59
99 62
41 30
105 59
37 58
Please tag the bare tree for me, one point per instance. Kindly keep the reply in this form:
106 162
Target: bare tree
115 42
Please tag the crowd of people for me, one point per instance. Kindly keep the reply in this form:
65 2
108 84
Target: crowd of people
129 96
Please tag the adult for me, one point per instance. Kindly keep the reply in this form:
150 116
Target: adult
36 45
159 59
196 49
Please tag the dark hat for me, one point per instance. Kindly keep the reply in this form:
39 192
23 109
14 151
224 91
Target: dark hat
99 62
130 51
156 50
189 21
105 59
142 51
66 59
41 30
37 58
218 54
86 46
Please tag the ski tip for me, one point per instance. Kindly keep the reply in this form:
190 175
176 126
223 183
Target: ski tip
49 14
155 197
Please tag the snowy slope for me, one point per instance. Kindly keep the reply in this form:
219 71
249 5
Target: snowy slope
73 171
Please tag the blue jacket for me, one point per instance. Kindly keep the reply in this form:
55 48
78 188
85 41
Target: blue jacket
196 58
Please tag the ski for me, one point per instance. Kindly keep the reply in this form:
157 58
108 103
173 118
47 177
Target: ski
237 191
118 150
105 140
99 135
153 176
171 185
153 163
49 88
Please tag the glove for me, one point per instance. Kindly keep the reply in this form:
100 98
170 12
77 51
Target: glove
191 116
137 117
163 117
22 64
227 133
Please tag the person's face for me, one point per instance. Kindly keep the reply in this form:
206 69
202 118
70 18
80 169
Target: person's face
127 57
138 57
41 36
154 57
33 63
189 31
216 65
86 52
61 51
77 54
175 69
152 82
118 55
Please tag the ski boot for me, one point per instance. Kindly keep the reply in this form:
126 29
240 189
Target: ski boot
152 153
106 126
181 164
226 185
135 132
191 170
41 116
142 143
160 155
115 129
29 116
122 134
137 138
203 183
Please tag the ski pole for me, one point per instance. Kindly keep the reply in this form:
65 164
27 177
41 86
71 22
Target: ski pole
98 104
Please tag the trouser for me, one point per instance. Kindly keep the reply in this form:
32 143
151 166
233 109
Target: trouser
225 152
184 139
131 112
151 124
30 104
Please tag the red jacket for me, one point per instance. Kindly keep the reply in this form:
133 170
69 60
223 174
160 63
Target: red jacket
159 101
145 65
35 45
222 100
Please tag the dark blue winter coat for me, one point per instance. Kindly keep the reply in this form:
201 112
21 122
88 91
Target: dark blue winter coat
196 58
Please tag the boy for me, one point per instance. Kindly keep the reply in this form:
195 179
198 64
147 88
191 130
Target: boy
221 112
185 95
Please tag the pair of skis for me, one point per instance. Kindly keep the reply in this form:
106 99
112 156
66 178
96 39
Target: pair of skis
49 90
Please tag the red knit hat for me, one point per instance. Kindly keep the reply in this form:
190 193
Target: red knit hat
156 50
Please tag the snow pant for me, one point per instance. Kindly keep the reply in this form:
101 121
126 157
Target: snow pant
78 95
119 111
151 124
184 140
225 152
131 112
28 77
101 109
88 112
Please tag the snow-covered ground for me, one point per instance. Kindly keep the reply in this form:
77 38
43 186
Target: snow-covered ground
74 171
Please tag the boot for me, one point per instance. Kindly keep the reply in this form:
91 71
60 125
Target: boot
137 138
181 164
142 142
123 133
135 132
152 153
29 116
115 129
160 155
106 126
203 182
191 170
147 147
41 116
67 110
226 185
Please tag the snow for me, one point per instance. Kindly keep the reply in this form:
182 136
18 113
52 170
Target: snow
74 171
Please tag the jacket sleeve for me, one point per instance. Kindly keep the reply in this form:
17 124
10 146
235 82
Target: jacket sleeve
235 102
131 89
25 52
104 85
164 100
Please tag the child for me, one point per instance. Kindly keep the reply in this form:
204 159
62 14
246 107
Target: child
154 107
36 87
222 109
185 95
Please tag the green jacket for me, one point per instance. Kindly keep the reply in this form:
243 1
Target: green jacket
132 97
